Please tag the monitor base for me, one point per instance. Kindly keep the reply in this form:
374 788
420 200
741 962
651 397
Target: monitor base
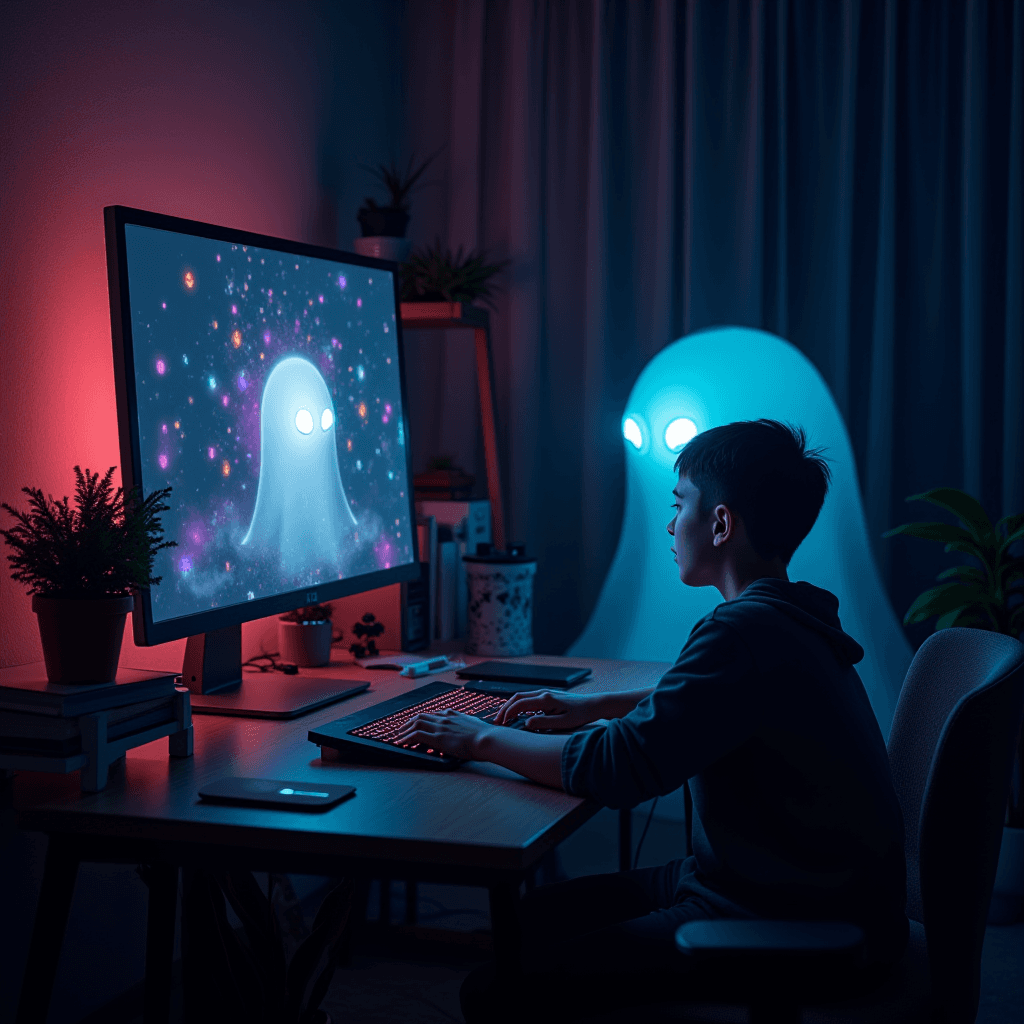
275 695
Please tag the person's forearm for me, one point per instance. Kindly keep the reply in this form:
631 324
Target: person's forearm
535 755
616 705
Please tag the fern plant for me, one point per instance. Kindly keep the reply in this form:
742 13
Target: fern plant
102 546
987 595
433 274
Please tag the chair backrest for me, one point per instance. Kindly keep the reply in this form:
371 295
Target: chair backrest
712 378
951 750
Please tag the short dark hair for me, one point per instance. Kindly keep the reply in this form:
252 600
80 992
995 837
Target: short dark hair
764 471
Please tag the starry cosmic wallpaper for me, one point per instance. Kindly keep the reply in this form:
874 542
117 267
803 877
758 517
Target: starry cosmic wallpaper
269 400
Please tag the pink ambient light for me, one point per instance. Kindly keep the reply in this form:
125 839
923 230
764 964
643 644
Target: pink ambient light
163 461
161 367
211 453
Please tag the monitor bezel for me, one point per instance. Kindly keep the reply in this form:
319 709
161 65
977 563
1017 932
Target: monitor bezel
148 632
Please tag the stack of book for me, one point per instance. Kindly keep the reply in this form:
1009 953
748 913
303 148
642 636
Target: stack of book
54 728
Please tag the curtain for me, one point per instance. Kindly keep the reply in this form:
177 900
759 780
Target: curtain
847 175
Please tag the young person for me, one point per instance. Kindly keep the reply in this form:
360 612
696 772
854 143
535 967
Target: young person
795 815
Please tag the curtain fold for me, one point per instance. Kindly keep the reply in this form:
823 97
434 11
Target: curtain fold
846 175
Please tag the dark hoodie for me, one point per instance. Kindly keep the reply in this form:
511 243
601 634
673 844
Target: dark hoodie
795 812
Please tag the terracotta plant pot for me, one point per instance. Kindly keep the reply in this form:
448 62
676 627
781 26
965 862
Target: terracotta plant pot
81 637
306 644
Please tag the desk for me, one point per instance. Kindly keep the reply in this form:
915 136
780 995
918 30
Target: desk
480 825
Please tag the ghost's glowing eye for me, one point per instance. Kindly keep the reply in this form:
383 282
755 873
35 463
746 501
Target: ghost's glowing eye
631 432
304 422
678 432
327 420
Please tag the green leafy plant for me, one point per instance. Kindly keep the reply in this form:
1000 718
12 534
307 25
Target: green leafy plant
311 613
102 546
985 595
433 274
398 183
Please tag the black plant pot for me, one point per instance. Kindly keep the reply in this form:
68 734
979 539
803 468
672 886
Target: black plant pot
384 220
81 637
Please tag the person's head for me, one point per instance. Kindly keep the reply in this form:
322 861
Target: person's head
749 491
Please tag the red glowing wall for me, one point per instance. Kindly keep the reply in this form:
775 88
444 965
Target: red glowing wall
251 114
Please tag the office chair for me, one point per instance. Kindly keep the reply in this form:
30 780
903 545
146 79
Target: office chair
951 751
705 380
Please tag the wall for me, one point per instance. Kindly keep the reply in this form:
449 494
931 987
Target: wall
253 114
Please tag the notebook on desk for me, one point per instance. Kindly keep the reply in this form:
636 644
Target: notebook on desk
368 736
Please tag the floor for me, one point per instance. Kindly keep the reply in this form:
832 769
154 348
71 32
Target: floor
418 983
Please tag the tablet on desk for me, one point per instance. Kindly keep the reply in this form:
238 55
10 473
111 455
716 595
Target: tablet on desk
525 677
277 793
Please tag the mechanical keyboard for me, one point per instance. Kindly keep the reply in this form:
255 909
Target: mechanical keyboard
369 736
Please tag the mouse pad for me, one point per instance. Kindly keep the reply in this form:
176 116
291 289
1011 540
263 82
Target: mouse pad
279 793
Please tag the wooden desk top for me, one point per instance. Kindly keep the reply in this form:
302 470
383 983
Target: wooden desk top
479 816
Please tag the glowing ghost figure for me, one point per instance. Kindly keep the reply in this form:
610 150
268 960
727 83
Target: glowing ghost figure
702 381
301 509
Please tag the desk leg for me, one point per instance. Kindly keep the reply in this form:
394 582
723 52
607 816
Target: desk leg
625 839
163 901
505 932
58 887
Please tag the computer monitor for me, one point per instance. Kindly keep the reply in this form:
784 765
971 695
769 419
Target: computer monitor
262 381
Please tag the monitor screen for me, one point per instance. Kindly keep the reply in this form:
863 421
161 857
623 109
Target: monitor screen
262 382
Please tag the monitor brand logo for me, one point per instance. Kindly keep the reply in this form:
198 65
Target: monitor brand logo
311 597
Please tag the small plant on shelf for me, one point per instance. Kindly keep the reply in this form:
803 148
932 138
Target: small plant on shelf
392 218
434 274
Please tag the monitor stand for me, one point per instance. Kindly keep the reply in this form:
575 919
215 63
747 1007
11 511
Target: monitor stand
212 670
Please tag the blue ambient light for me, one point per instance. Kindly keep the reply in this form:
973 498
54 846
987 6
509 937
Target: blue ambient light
707 380
631 432
678 432
301 792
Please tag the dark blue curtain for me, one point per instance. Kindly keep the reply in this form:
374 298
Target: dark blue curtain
847 175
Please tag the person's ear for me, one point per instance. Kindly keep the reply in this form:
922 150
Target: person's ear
723 525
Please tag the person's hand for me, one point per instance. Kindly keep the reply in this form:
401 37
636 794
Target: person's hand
451 732
552 710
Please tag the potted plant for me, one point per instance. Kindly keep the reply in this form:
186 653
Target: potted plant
987 593
383 226
304 635
433 274
81 564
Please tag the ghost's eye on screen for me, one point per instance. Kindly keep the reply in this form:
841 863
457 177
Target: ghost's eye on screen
304 422
327 420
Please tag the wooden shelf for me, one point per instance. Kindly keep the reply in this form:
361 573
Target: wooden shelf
444 316
436 316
